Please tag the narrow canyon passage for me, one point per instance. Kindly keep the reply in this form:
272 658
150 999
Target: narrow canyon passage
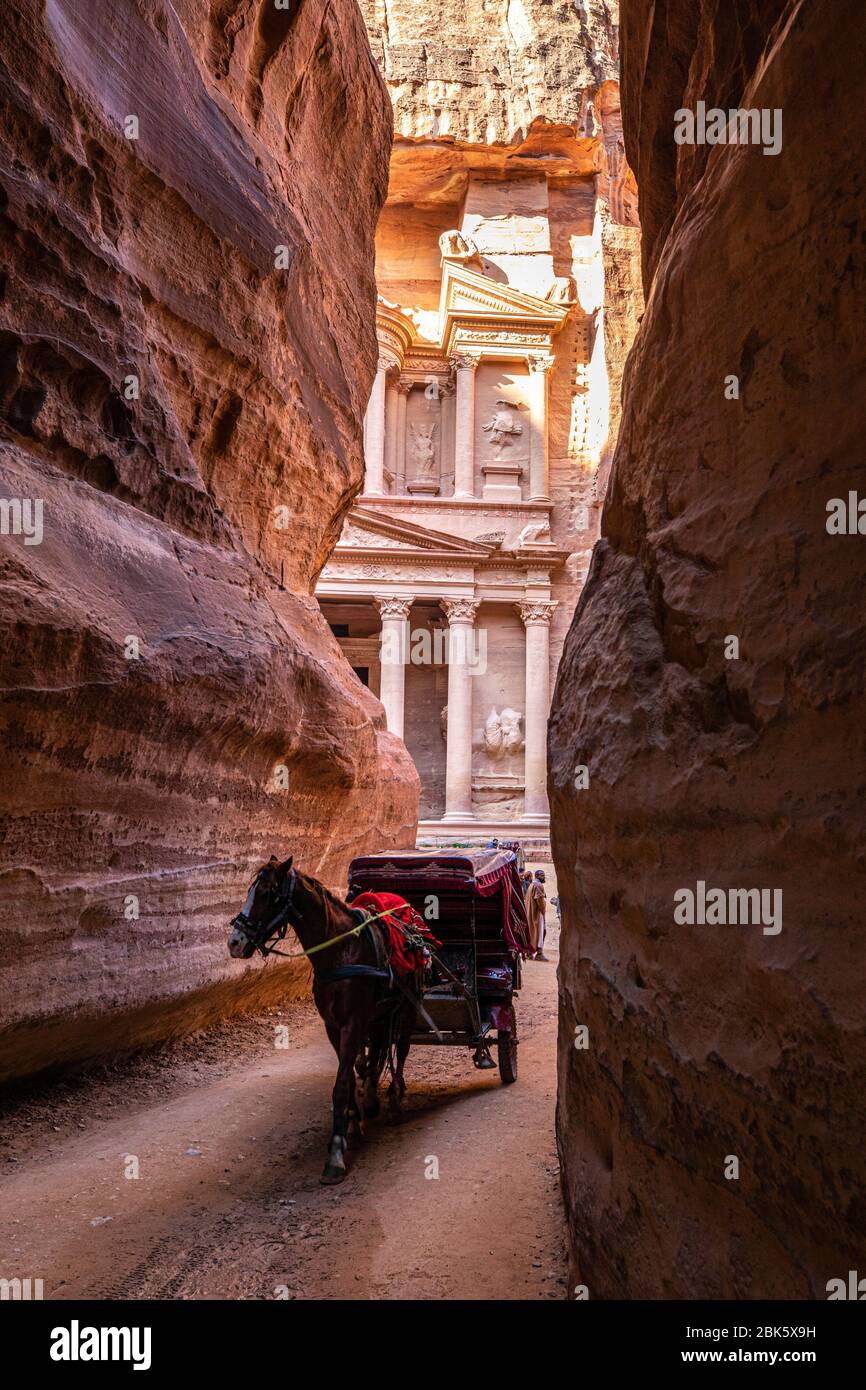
433 431
230 1132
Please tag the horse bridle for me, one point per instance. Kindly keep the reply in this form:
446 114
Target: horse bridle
258 937
279 924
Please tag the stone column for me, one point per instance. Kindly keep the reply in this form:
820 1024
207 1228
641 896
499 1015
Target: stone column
536 615
539 486
393 648
458 758
391 410
374 448
446 442
403 389
464 426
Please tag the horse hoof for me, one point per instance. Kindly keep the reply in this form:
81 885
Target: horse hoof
372 1110
335 1166
332 1175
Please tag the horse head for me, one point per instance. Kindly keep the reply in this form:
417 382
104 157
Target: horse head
268 909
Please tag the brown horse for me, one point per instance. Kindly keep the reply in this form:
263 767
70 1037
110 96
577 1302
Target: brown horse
364 1009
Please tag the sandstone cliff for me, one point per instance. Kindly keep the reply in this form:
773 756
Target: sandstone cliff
186 347
482 73
706 1041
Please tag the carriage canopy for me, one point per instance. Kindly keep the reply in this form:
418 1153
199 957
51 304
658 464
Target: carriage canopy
487 879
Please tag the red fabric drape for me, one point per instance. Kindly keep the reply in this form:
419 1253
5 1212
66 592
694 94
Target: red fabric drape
404 959
515 925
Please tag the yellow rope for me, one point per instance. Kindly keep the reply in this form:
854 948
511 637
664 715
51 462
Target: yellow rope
355 931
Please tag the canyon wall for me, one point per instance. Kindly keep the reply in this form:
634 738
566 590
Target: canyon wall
187 342
708 1043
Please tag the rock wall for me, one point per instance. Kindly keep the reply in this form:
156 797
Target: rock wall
187 343
482 73
708 1042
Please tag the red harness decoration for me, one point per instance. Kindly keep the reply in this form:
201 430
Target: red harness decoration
405 959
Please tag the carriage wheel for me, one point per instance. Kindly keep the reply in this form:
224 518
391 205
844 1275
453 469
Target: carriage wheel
506 1045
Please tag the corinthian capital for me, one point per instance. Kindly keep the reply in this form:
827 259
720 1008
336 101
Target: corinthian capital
540 361
393 606
465 361
460 610
536 611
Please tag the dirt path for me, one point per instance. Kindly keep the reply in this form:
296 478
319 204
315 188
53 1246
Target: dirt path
229 1135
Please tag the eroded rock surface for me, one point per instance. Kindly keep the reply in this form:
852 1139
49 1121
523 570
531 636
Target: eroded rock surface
712 1041
188 414
482 73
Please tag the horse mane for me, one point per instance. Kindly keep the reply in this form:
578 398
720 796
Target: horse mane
334 906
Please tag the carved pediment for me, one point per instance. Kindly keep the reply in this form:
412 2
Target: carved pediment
367 530
469 298
362 538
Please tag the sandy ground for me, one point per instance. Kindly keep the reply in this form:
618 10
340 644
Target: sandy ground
227 1134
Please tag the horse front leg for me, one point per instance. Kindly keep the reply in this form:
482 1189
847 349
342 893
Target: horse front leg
356 1118
368 1069
343 1096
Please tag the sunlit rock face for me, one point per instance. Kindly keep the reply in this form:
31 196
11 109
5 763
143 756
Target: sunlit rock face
186 348
709 1042
480 71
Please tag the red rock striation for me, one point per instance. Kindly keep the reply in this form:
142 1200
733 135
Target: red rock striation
186 346
708 1042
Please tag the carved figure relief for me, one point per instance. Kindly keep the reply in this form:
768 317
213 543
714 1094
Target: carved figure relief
455 246
424 450
563 290
503 426
502 733
536 533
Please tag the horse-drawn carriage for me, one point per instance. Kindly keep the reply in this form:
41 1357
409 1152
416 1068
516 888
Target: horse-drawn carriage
473 903
379 982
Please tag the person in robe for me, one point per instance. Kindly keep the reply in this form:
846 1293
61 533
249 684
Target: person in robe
536 907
